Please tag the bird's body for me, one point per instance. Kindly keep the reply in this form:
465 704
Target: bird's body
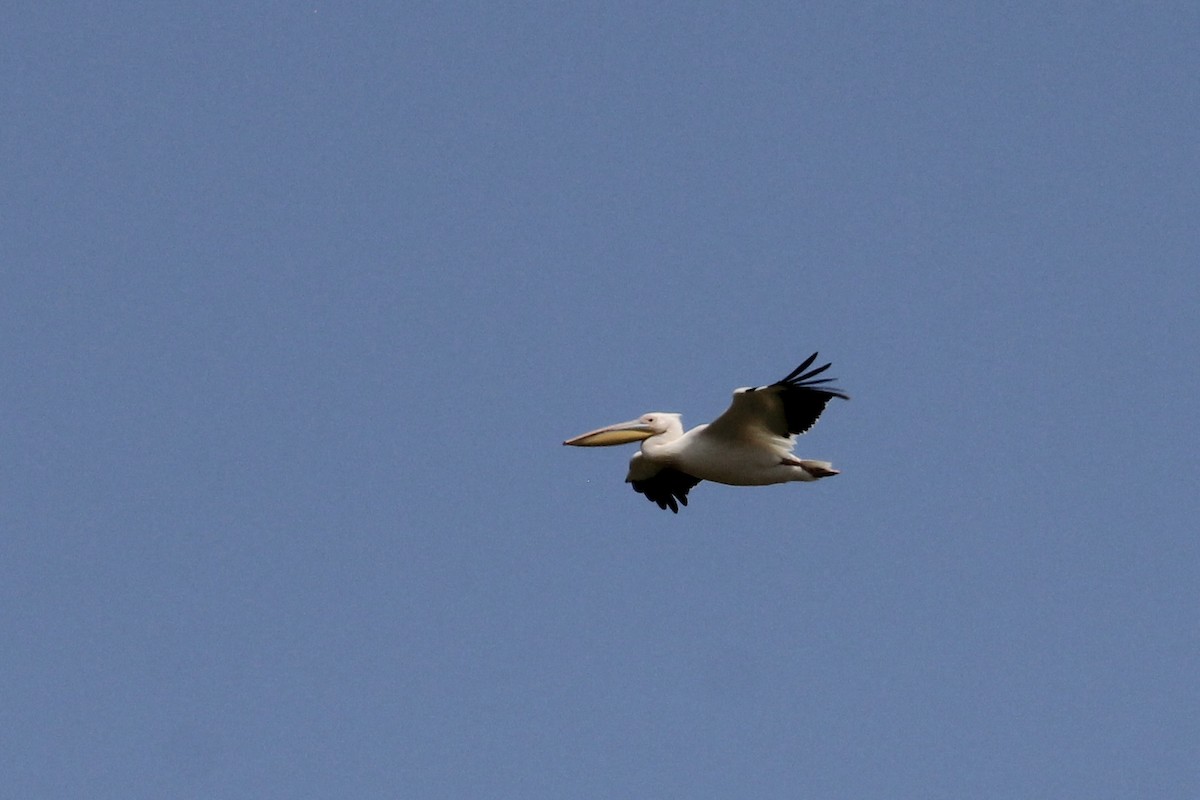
749 445
735 461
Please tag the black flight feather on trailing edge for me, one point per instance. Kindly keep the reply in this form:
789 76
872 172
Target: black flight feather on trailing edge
666 487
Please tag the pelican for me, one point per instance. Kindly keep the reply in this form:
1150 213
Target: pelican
749 445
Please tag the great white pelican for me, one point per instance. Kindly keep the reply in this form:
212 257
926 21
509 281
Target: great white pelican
749 445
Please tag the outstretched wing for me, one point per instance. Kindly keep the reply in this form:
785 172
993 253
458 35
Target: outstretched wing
668 487
788 407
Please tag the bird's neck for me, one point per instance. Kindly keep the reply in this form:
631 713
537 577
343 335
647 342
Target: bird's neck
662 446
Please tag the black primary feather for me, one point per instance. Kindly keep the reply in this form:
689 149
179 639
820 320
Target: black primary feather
802 401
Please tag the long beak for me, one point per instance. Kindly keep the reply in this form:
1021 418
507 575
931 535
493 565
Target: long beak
622 433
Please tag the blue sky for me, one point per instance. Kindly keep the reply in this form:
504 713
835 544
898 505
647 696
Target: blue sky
299 302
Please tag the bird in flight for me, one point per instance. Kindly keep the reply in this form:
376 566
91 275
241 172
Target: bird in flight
749 445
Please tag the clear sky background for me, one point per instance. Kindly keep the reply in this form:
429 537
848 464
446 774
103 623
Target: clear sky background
299 301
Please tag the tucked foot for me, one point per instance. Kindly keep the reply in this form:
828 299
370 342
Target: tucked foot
819 469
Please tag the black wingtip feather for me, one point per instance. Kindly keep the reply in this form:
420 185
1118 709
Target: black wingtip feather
803 402
792 375
799 379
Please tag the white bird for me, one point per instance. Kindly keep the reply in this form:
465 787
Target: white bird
749 445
